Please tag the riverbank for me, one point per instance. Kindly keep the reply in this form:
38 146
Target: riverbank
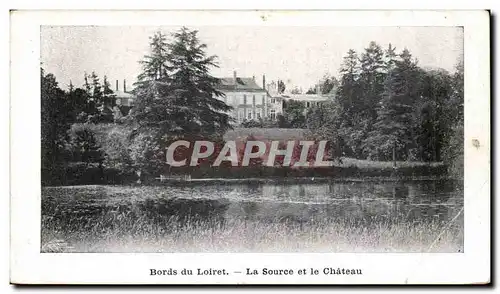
347 169
299 180
289 217
238 236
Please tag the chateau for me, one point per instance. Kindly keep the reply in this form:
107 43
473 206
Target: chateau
249 100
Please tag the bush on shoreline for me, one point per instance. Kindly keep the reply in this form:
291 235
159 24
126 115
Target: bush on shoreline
85 174
109 154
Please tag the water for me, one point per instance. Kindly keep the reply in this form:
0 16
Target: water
76 210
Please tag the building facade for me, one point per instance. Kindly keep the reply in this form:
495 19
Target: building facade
308 100
249 100
124 98
275 100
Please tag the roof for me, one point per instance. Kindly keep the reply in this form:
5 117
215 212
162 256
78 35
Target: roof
306 97
121 94
242 84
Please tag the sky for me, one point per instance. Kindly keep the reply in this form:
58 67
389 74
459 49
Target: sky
300 55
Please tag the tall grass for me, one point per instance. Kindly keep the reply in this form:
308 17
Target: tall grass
119 232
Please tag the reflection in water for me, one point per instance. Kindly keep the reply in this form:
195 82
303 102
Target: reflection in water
356 203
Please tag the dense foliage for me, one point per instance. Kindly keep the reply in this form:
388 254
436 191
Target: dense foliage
387 108
382 107
176 97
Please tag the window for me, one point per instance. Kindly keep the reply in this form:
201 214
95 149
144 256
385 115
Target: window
273 100
249 115
241 115
273 114
244 99
253 100
308 104
259 115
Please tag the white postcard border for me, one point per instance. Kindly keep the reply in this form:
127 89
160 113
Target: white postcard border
28 265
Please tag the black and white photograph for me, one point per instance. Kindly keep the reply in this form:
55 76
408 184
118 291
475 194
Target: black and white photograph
273 139
389 100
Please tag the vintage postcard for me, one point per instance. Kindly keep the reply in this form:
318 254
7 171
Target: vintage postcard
250 147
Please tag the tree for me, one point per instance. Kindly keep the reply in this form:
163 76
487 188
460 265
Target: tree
371 80
252 123
94 99
354 123
281 121
326 85
432 121
390 57
71 87
453 145
324 123
146 153
176 95
101 98
109 98
329 83
86 84
175 92
84 144
348 92
56 118
281 87
96 93
311 91
294 114
392 134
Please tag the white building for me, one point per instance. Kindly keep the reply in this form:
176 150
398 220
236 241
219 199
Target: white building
310 100
249 100
275 100
124 98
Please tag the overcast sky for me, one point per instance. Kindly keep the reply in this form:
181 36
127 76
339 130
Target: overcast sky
298 55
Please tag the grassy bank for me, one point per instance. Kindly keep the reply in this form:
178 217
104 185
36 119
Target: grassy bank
344 217
346 168
248 236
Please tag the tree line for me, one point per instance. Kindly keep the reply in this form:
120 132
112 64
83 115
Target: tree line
386 107
176 97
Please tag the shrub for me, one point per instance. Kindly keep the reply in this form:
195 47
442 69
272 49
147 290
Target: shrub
115 141
83 144
453 153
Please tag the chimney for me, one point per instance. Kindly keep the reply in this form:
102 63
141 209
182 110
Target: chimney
116 85
253 77
124 85
264 82
234 77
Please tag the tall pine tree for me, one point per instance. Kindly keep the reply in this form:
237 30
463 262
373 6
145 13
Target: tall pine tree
177 96
372 79
391 136
453 154
348 88
109 98
56 117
